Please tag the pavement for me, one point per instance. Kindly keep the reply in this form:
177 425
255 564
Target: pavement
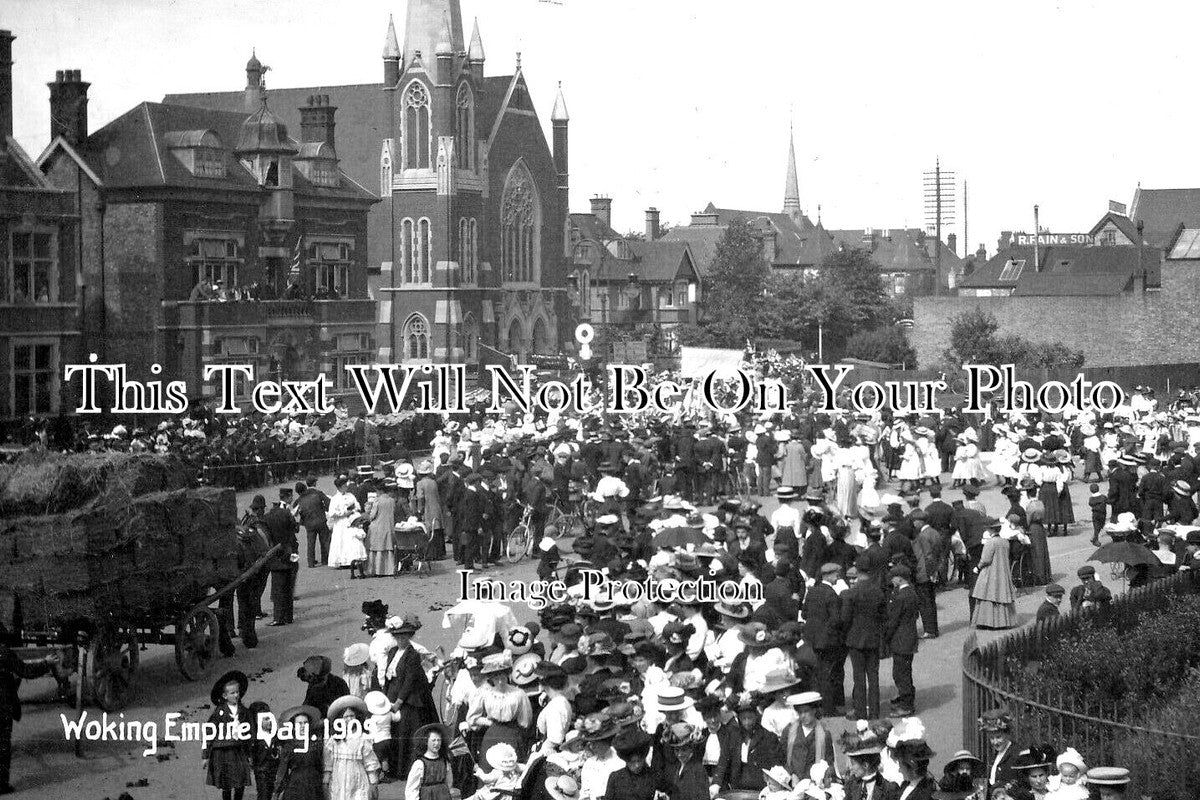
328 619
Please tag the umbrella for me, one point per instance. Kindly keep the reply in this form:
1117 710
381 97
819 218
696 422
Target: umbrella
1123 553
679 537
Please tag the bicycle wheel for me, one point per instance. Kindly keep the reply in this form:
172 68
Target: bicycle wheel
517 544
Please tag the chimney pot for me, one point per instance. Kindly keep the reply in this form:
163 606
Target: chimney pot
652 224
68 106
58 76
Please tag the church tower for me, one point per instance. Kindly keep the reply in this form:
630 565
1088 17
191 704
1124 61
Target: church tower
791 191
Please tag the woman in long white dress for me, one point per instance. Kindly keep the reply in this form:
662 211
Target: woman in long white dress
912 464
968 466
1004 459
346 539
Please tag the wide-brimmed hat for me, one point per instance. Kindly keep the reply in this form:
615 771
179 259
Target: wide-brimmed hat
597 727
631 740
349 701
681 734
1182 488
624 713
518 640
733 610
1034 758
233 676
311 713
424 467
996 720
524 671
564 787
917 749
406 624
502 756
1031 455
780 775
866 740
496 662
356 655
756 635
778 680
967 757
423 732
377 703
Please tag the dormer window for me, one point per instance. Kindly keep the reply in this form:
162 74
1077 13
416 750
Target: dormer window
200 152
317 162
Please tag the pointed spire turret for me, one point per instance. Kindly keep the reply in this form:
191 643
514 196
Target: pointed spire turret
476 51
428 23
391 44
560 107
791 192
445 46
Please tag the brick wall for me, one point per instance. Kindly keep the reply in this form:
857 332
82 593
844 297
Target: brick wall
1157 327
133 239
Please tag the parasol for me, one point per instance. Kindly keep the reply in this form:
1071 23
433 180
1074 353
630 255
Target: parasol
679 537
1123 552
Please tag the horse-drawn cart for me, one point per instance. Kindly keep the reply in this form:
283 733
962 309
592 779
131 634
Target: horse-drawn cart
122 555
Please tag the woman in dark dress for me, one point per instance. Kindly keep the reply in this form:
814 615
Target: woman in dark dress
301 771
227 761
1037 559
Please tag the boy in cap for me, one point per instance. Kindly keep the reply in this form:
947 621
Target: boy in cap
1049 607
1099 506
1090 593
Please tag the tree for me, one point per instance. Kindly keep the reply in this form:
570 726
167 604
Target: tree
887 344
737 282
974 340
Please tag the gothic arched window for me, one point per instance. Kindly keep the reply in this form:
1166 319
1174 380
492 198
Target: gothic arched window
541 338
416 127
416 338
520 227
470 338
464 127
408 240
516 339
422 252
472 249
463 245
385 169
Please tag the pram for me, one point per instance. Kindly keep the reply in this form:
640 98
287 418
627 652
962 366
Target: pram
412 543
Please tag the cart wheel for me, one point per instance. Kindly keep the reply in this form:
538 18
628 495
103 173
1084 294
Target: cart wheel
112 664
196 639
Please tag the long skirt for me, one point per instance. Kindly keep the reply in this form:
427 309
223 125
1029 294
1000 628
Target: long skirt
1037 558
1048 494
994 615
381 562
1065 510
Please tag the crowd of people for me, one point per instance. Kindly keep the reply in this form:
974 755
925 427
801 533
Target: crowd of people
692 699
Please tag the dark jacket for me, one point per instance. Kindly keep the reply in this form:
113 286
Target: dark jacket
823 617
472 509
1046 610
863 610
803 753
901 632
321 696
12 671
312 506
884 789
765 752
779 595
281 529
923 790
409 687
940 515
1122 490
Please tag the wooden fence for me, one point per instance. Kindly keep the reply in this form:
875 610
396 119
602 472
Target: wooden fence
1099 731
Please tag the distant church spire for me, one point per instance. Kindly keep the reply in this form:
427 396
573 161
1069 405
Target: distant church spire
429 23
391 44
791 192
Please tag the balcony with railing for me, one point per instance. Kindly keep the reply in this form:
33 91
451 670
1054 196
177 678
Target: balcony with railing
267 313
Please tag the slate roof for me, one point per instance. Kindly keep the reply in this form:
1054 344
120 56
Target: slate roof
702 239
592 227
901 250
1124 224
800 243
659 261
360 121
1164 211
1068 271
16 168
134 151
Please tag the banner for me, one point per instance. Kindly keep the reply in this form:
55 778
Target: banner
698 362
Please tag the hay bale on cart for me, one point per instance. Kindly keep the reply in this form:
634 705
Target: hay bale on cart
53 483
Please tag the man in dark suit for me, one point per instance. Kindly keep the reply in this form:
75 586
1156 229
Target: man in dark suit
744 772
1122 487
12 671
780 593
1049 607
312 506
450 490
471 519
930 556
900 636
684 446
863 614
823 630
281 530
872 561
863 781
1153 492
407 687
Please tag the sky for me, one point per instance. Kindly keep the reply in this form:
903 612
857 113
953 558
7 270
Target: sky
674 104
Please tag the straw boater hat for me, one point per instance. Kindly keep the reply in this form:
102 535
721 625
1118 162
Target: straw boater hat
805 699
779 775
1031 455
564 787
524 671
1108 776
1182 488
673 698
356 655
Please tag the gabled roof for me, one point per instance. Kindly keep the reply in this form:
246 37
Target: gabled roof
702 240
1163 211
800 243
1068 270
902 250
592 227
16 168
1123 223
653 262
62 145
361 116
135 151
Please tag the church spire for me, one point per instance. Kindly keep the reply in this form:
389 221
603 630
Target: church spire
429 23
476 50
391 45
791 192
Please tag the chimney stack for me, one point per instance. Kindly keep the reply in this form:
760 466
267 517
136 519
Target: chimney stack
952 243
602 209
316 120
701 219
68 106
6 86
652 227
768 245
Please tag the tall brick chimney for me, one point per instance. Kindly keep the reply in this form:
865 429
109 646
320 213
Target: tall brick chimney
68 106
602 209
316 120
6 86
952 243
652 226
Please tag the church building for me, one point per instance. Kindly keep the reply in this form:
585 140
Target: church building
468 246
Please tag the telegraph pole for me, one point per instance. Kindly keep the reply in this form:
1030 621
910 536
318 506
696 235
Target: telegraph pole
939 188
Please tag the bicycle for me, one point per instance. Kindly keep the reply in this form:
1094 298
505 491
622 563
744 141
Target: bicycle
736 483
519 542
565 520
